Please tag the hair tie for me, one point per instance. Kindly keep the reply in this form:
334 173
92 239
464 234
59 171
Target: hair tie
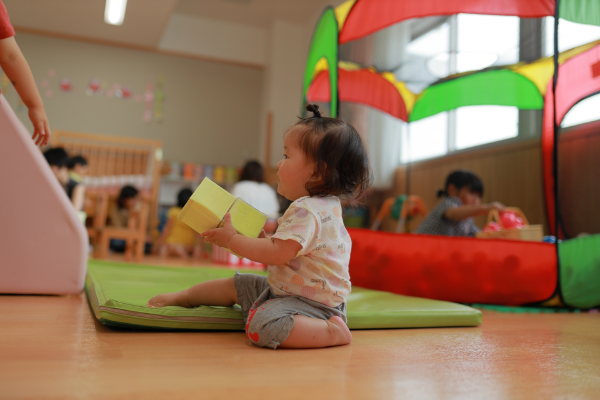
314 108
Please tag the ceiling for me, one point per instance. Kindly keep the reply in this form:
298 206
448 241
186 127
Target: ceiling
258 13
145 20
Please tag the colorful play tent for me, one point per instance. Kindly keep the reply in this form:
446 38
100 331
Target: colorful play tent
572 75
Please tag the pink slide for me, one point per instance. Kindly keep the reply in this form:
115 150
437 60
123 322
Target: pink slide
43 245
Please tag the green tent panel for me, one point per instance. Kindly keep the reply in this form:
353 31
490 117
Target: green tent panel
580 11
324 45
580 271
499 87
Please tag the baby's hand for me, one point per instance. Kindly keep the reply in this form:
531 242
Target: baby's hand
221 236
41 129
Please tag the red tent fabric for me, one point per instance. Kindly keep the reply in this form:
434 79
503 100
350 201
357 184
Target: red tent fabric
459 269
361 86
578 77
369 16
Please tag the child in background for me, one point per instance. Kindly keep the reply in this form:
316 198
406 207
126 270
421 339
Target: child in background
177 238
78 167
453 216
302 303
253 190
118 215
58 159
18 72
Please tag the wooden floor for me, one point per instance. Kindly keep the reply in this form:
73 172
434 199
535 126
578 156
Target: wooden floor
53 348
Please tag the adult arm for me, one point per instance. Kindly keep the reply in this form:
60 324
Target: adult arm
18 72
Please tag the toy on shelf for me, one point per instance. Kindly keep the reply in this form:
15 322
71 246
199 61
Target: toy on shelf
402 208
510 224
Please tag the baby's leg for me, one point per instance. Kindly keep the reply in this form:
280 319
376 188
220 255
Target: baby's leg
293 323
314 333
220 292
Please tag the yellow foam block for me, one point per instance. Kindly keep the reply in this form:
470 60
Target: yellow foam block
208 205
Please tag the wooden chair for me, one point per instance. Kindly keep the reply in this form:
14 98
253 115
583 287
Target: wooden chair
96 208
134 234
114 161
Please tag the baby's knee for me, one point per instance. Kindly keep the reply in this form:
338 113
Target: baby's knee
266 330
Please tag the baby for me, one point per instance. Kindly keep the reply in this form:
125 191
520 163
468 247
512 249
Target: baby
302 303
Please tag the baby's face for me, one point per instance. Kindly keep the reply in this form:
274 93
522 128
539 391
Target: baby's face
294 170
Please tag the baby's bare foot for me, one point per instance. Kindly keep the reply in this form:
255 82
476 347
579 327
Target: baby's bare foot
168 299
340 331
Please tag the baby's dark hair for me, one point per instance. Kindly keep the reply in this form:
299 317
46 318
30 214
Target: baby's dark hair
183 196
252 171
460 179
77 160
127 192
56 156
339 154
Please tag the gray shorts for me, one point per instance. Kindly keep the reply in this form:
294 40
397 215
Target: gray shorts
270 318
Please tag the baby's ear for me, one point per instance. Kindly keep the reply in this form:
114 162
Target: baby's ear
316 176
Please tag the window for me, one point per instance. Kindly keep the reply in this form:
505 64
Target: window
586 110
425 138
427 58
465 42
473 125
486 40
570 34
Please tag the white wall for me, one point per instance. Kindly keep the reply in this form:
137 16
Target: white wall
215 39
288 46
211 110
215 112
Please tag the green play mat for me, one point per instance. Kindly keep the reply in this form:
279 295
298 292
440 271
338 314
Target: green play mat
118 293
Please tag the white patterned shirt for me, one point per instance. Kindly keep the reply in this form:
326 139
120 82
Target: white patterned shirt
320 270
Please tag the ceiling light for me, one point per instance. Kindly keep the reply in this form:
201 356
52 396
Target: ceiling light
114 13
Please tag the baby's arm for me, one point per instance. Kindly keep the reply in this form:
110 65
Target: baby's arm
463 212
261 249
16 68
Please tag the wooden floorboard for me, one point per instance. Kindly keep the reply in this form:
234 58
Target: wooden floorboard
53 348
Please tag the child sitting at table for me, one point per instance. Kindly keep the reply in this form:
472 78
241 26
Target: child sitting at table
453 216
78 168
178 239
58 159
118 215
